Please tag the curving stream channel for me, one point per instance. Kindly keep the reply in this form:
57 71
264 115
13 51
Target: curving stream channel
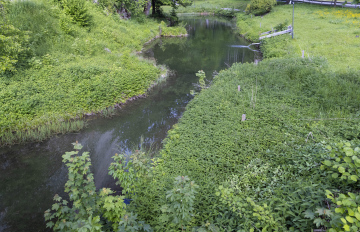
31 174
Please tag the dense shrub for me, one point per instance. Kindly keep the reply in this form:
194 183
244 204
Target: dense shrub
259 7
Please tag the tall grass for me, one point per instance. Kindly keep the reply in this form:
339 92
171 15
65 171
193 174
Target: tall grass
41 133
318 31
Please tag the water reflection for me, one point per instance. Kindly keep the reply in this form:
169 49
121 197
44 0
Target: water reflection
31 174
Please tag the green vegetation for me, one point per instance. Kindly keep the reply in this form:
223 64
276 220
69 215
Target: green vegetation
212 6
273 157
60 61
319 31
279 170
260 7
292 165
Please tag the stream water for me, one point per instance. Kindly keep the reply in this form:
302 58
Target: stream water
31 174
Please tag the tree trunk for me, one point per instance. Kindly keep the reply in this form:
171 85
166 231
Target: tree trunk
153 3
147 8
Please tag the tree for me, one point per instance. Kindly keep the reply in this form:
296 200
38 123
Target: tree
174 4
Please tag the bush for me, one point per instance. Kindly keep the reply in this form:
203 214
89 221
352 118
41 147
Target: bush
259 7
78 11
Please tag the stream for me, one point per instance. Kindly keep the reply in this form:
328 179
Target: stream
31 174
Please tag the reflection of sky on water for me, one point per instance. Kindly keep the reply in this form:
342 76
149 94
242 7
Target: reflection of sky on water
31 174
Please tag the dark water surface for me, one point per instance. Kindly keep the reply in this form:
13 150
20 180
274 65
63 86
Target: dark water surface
31 174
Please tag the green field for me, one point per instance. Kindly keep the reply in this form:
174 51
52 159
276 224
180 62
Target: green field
332 33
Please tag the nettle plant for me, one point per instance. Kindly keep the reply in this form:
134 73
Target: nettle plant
179 210
88 205
131 172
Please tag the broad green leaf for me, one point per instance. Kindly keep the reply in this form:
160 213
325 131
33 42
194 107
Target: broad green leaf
341 169
349 219
309 214
357 215
346 227
318 222
353 177
350 212
348 160
327 162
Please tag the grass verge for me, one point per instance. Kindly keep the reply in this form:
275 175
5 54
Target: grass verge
332 33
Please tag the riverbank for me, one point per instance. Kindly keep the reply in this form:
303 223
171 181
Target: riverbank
255 140
70 70
222 8
322 31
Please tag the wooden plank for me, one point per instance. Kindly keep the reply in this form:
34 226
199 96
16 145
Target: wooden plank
276 34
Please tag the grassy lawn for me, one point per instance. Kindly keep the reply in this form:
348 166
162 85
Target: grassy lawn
323 31
210 6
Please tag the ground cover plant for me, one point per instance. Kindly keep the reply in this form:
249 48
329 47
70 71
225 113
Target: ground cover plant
281 169
274 156
62 60
321 31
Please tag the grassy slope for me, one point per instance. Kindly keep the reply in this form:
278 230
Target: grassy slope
320 31
212 145
69 74
199 6
268 157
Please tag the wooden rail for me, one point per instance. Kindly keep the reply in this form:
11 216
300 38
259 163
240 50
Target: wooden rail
289 30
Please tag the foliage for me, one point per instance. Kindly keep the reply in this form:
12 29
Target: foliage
347 212
13 42
312 22
212 6
66 70
270 157
260 7
201 83
344 162
130 172
78 11
87 204
135 8
179 210
282 26
129 223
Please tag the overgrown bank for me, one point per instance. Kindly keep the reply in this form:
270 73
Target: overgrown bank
294 107
281 169
322 31
55 69
292 165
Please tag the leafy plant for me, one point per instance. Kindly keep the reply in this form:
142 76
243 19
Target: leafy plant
344 162
77 10
130 223
130 172
180 210
87 206
347 212
259 7
282 26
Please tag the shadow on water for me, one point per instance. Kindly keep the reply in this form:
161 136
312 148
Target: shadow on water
31 174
